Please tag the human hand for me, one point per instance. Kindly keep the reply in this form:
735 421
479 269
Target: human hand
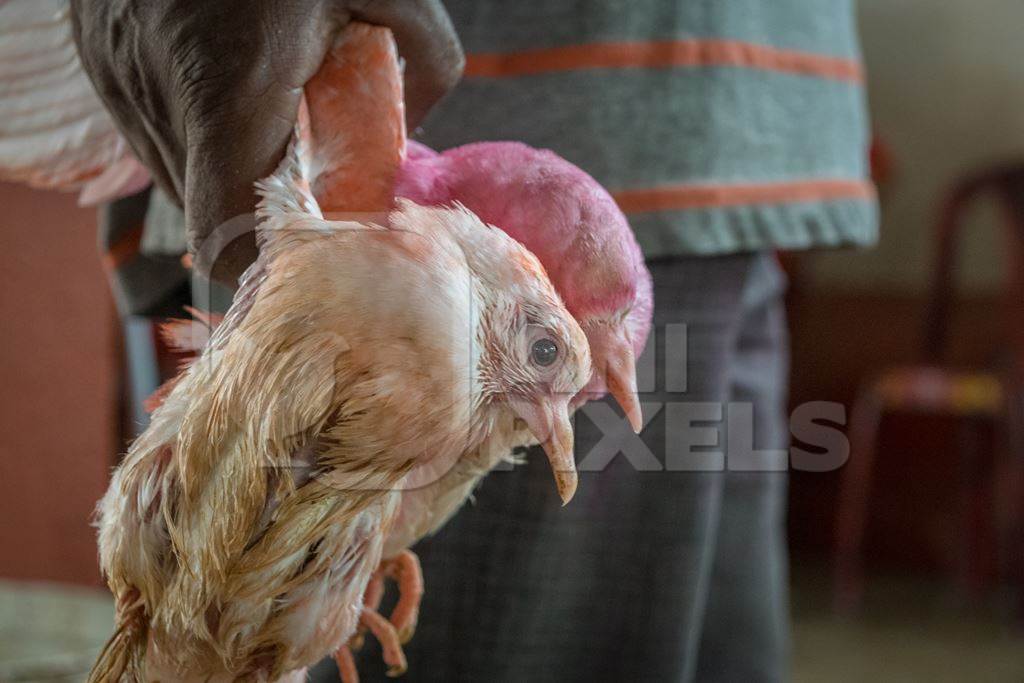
207 92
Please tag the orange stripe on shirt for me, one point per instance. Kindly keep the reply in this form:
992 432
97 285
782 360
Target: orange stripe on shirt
663 54
675 197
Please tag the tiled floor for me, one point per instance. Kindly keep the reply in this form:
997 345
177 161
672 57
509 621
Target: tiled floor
908 631
51 634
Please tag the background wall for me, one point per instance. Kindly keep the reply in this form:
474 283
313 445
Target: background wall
947 95
58 407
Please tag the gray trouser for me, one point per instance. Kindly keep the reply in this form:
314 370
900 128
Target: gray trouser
650 573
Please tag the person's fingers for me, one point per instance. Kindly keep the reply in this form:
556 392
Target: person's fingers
238 124
156 157
227 154
427 42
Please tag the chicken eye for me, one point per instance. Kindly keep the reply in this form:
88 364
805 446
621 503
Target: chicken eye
544 352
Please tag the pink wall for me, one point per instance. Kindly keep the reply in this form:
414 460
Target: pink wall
58 373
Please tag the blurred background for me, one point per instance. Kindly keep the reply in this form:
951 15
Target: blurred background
908 563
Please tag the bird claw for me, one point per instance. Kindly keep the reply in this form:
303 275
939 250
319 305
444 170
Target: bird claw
405 570
374 591
384 631
406 634
371 600
346 665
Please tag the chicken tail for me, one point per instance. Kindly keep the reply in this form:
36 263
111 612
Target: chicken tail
122 659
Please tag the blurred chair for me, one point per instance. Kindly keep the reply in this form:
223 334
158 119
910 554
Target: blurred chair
971 396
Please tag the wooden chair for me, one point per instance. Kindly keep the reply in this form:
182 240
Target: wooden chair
969 395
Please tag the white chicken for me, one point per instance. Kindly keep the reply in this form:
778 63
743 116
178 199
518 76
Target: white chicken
241 531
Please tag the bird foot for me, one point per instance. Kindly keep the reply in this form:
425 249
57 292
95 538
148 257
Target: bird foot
346 665
371 600
404 569
385 632
382 629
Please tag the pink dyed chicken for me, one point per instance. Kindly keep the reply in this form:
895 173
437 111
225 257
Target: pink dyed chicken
578 233
575 229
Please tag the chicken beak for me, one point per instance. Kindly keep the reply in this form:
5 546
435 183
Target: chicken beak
620 376
615 364
548 420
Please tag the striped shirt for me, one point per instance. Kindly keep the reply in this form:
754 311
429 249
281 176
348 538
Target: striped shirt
718 125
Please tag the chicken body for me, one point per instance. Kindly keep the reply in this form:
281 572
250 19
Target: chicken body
240 532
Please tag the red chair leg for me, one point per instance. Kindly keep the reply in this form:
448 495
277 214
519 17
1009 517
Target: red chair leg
976 499
852 514
1013 549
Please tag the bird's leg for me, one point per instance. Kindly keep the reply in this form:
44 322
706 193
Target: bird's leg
382 629
371 600
374 591
405 570
346 665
